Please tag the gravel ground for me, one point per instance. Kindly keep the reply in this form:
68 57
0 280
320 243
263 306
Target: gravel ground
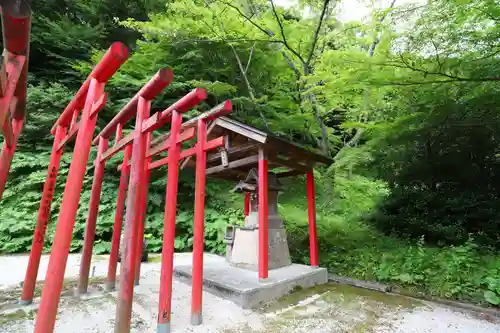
327 309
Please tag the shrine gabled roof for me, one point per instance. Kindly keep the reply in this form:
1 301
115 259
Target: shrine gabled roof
269 139
241 152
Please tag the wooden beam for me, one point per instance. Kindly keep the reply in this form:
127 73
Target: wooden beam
234 164
229 176
231 151
13 66
292 164
213 113
71 134
150 122
162 117
99 104
293 149
117 147
8 130
224 157
212 144
234 150
242 129
289 173
189 158
185 135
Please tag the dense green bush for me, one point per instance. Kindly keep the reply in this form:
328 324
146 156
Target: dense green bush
442 217
351 247
18 217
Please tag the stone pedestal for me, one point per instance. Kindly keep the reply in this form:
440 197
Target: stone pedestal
243 286
243 247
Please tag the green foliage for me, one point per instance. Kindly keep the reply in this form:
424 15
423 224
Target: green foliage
351 247
405 101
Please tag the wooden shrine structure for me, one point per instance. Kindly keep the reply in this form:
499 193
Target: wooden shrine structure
242 146
247 148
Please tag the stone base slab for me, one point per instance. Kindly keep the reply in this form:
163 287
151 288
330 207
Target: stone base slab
244 288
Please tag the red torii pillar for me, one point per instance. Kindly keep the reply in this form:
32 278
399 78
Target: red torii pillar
117 227
95 198
165 301
199 212
128 260
94 99
128 268
311 209
15 65
200 150
109 64
263 216
142 212
16 25
246 206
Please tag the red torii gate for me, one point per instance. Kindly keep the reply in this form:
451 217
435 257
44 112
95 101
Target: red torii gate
16 24
88 101
140 165
137 162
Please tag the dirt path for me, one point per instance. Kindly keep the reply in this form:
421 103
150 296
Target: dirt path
331 308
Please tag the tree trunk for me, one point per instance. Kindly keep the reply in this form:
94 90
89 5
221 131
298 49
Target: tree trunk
247 82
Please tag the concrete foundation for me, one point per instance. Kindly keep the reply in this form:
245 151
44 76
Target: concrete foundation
243 287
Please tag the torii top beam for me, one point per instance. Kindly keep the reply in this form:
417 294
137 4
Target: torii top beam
116 55
149 91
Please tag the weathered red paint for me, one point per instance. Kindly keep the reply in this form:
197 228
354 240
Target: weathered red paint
43 219
167 263
143 212
311 210
95 198
16 26
62 240
246 207
16 23
114 57
117 227
263 216
8 131
14 65
199 221
132 221
8 153
149 91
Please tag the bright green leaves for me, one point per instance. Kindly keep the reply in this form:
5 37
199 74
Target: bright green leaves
492 295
